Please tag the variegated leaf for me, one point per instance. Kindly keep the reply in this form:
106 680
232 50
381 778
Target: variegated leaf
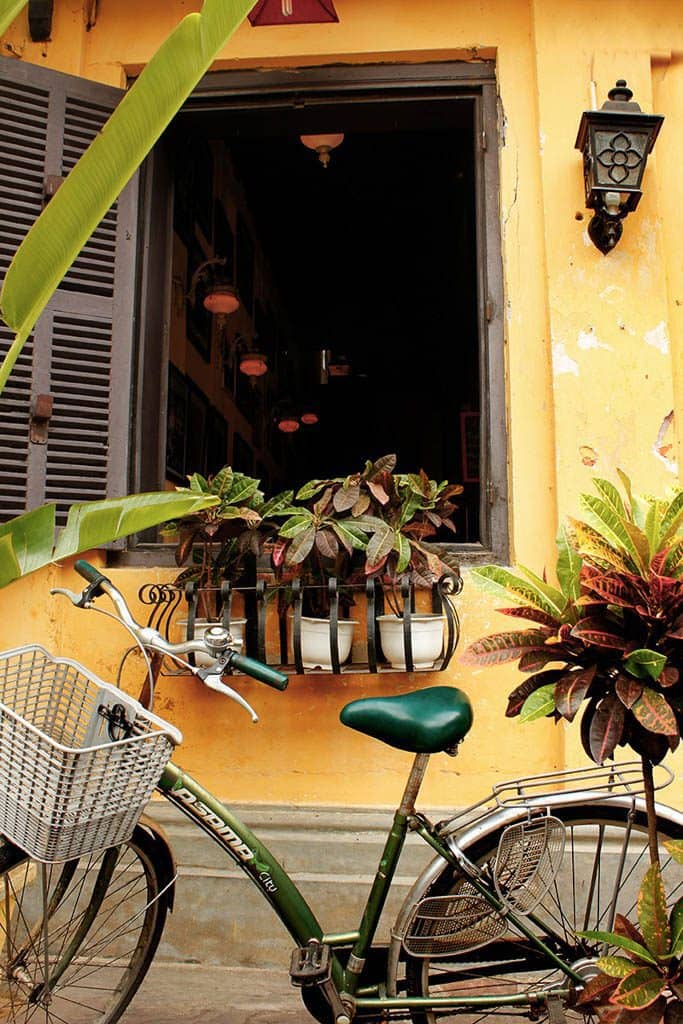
652 913
676 926
591 544
571 691
615 966
380 544
361 506
496 580
597 990
532 614
502 647
569 564
300 546
606 728
594 631
519 695
639 989
346 497
532 661
654 713
611 526
628 690
609 493
674 848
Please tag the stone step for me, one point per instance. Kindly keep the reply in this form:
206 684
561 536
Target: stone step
331 854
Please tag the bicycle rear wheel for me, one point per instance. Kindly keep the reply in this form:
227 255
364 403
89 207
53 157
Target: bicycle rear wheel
77 938
603 863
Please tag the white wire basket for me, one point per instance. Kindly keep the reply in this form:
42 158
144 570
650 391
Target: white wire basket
67 788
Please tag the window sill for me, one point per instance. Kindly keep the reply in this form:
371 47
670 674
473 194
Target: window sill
162 556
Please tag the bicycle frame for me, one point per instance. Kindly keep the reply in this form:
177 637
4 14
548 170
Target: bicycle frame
271 879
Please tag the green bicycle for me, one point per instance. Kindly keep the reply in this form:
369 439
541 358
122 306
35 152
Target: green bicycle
489 927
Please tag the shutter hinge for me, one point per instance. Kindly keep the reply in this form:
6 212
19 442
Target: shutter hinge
50 185
489 310
41 411
484 141
40 20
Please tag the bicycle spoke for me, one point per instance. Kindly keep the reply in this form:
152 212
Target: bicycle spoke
67 959
603 863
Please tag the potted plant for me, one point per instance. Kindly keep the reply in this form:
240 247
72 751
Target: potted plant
371 523
408 509
609 637
223 541
316 544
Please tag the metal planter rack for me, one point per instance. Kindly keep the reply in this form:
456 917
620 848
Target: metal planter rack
165 600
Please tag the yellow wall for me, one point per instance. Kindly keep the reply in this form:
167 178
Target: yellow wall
593 349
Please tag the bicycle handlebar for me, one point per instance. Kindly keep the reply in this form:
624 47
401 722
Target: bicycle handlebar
153 640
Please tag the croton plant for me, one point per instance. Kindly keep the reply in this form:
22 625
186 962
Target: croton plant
370 523
609 638
610 634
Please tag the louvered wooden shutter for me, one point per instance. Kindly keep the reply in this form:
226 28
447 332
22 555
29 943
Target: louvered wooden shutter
81 349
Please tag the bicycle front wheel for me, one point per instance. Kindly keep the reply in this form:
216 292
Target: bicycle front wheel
605 857
78 937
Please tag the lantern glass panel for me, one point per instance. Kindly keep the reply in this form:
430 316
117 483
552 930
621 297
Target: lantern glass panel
619 158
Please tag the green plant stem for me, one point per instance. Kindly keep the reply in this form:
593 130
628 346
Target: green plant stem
648 780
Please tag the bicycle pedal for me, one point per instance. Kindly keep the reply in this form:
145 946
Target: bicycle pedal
310 964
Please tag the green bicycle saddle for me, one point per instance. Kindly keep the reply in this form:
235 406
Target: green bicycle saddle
423 721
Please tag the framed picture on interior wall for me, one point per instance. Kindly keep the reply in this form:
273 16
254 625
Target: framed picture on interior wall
224 239
245 265
216 442
176 424
470 447
242 455
198 320
203 188
197 430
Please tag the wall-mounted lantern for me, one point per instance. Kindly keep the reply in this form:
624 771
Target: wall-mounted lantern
616 142
292 12
219 296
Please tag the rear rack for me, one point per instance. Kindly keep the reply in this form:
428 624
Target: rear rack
579 785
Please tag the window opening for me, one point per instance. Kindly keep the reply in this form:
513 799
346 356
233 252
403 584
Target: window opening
359 283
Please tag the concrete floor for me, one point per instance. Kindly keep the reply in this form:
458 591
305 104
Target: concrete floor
190 994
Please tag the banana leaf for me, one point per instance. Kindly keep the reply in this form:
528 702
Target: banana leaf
27 543
66 223
9 9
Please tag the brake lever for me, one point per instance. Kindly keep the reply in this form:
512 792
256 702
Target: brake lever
80 600
214 682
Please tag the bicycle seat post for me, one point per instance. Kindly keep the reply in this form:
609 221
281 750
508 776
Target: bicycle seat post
417 773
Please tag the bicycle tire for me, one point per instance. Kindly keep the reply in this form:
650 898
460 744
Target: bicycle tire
510 963
94 949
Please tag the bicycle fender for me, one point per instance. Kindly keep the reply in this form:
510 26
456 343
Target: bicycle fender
153 838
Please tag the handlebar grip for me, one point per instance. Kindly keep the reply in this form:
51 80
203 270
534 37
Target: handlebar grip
256 669
89 572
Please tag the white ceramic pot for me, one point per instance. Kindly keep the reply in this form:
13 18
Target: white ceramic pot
315 641
200 627
426 634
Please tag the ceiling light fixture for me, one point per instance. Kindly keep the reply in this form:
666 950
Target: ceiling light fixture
253 364
323 144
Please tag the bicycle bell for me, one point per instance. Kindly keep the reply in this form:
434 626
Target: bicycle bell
217 639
